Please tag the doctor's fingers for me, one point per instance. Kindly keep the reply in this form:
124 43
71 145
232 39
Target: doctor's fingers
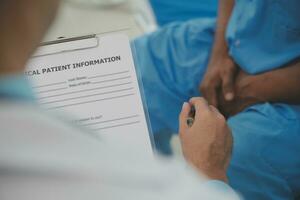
183 117
201 106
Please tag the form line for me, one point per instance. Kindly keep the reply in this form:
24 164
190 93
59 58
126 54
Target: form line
51 84
120 125
112 120
86 96
110 80
86 102
79 91
104 75
54 90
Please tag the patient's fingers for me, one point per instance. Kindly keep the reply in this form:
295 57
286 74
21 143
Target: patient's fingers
227 86
212 97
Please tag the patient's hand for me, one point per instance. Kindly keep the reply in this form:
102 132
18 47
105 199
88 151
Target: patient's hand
207 144
219 78
280 85
246 94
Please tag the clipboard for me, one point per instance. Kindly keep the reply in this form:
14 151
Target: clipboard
67 45
89 42
75 41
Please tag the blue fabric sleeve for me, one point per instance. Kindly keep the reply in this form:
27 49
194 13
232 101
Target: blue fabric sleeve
15 87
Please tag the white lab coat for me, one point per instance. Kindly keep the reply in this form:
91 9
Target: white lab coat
43 158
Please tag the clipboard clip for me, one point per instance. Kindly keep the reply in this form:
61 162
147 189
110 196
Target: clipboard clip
67 45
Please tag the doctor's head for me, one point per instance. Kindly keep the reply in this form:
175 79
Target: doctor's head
23 24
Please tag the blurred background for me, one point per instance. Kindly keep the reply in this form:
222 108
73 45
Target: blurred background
136 17
167 11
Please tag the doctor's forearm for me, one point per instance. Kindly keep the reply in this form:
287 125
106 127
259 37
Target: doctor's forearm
220 47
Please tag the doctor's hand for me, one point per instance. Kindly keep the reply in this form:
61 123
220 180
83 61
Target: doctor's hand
219 79
207 144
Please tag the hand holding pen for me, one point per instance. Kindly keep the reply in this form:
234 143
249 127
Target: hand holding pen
205 138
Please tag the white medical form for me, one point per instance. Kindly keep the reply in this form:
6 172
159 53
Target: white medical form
94 81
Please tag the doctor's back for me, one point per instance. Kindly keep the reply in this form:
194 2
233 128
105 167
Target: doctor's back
42 157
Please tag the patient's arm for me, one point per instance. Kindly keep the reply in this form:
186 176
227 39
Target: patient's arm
281 85
221 70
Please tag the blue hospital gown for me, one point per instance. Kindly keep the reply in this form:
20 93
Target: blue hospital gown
173 60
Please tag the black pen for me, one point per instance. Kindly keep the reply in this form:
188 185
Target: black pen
191 118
